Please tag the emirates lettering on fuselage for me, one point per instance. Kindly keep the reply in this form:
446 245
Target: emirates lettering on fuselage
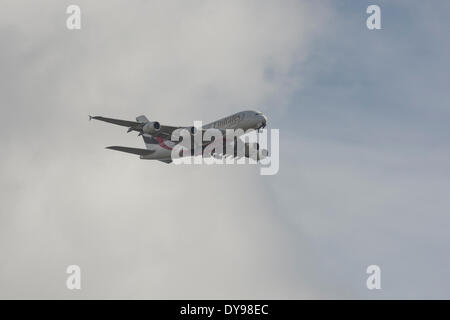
224 123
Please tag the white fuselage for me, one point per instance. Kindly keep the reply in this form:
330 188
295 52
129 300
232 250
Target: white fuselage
245 120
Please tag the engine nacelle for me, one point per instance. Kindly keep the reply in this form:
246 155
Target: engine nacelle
253 151
151 127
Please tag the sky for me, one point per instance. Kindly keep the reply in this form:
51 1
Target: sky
364 152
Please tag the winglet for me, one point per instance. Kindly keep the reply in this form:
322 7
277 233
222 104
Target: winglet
90 117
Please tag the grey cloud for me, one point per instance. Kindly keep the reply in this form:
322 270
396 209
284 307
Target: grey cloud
141 229
364 152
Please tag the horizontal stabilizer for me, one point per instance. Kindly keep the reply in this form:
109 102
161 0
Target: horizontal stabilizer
140 152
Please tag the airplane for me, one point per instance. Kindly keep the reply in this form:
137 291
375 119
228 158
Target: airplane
157 137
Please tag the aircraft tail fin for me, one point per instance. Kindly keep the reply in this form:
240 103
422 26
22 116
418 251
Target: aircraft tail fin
142 119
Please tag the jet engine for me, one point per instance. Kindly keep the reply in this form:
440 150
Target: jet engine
151 127
253 151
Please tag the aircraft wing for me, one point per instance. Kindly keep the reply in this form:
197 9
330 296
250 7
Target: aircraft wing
140 152
124 123
165 132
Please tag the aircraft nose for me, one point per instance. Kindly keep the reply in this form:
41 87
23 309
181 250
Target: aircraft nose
264 120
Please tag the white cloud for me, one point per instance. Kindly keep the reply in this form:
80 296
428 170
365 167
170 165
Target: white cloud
136 228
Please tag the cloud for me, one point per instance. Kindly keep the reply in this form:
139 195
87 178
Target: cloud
143 229
365 152
364 157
